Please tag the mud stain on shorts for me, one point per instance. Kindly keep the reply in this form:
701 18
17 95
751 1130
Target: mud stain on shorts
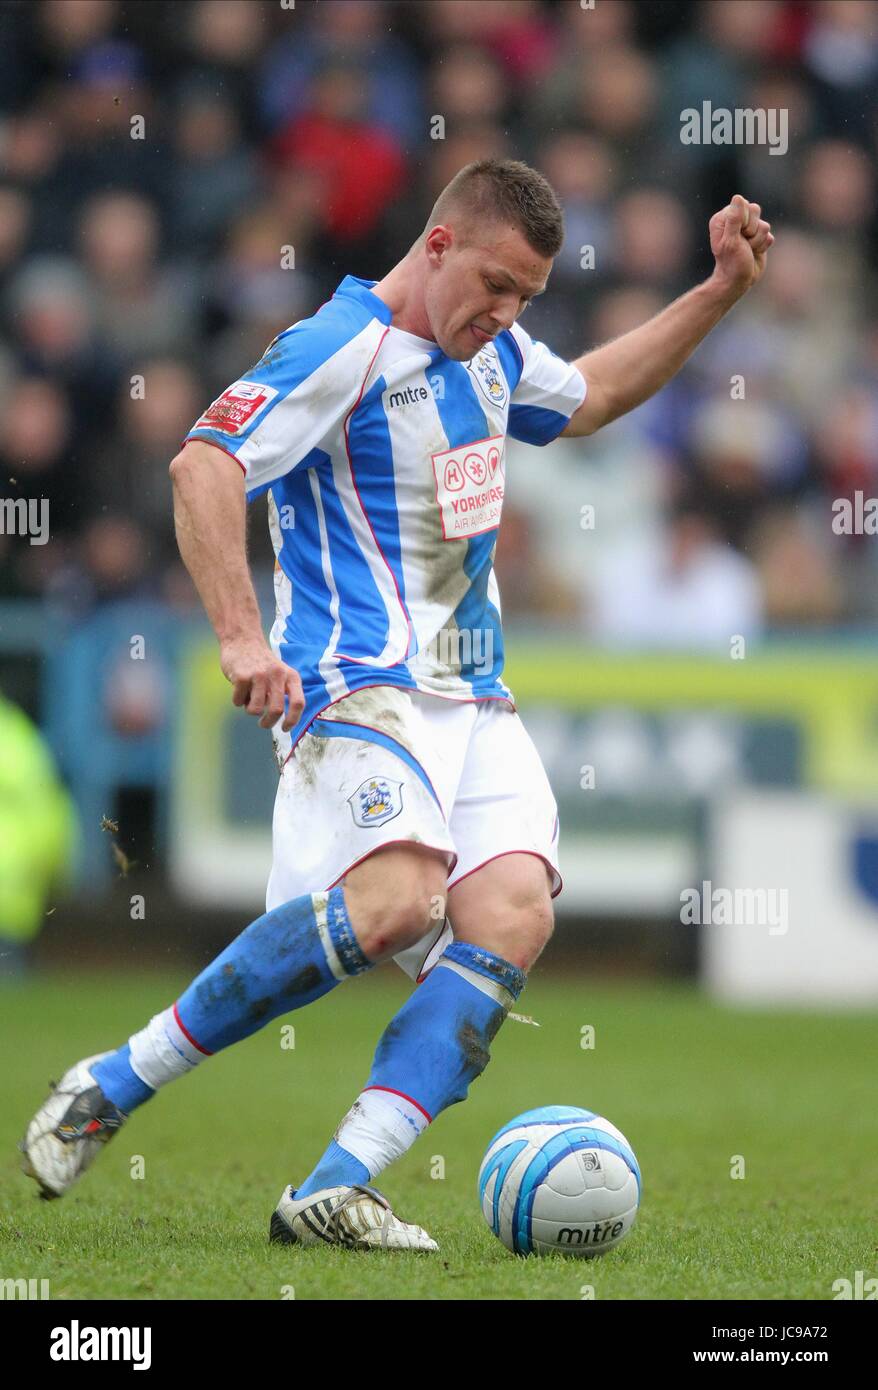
307 757
380 707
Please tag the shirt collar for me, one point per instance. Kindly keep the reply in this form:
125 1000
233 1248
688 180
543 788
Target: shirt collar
361 291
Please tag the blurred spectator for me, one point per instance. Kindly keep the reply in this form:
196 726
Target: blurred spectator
530 586
251 294
468 84
15 223
580 169
524 39
582 34
130 467
37 465
838 187
32 154
110 124
799 586
226 33
715 59
652 240
770 338
847 466
360 165
771 178
686 590
358 33
213 169
51 314
141 306
743 450
66 30
110 562
222 42
841 51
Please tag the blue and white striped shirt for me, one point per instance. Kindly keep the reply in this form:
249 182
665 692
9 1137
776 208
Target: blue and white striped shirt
385 464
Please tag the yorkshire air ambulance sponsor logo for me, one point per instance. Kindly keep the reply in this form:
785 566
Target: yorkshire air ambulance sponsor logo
237 407
469 487
486 371
376 800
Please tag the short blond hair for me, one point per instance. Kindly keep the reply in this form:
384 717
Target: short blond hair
505 191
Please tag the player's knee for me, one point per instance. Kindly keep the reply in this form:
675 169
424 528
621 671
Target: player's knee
530 929
520 921
405 917
397 901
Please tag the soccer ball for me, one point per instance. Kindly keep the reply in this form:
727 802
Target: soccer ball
559 1178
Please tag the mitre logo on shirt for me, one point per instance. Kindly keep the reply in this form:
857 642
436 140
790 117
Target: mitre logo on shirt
485 369
469 487
237 407
407 395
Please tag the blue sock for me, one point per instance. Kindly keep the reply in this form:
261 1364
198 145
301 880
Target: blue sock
337 1168
285 959
440 1040
437 1044
117 1078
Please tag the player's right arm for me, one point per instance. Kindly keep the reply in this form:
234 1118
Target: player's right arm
210 518
262 427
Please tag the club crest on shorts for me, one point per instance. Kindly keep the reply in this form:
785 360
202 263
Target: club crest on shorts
375 801
486 371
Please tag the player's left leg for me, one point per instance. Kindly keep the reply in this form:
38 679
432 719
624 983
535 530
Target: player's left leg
505 827
440 1040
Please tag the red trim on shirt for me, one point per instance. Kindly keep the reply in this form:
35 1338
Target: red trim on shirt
223 450
370 660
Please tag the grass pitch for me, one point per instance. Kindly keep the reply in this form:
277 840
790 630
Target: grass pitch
690 1084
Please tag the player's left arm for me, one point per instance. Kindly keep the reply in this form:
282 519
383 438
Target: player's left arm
627 371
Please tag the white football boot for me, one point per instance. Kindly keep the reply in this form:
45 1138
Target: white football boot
357 1217
68 1132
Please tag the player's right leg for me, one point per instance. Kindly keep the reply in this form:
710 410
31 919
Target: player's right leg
288 957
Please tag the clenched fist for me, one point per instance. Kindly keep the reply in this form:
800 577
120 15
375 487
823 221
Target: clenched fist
261 683
739 240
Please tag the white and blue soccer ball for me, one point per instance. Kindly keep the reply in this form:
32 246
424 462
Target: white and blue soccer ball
559 1178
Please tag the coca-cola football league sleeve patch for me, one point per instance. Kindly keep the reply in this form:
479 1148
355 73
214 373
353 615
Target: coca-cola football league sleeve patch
237 407
277 416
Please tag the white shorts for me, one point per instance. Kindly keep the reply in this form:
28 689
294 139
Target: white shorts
388 766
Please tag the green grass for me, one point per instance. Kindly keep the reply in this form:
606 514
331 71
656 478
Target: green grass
689 1083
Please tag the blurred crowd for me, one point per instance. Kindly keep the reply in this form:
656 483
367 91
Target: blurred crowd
181 181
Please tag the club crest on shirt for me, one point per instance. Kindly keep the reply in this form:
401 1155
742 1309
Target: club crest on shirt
375 801
486 371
